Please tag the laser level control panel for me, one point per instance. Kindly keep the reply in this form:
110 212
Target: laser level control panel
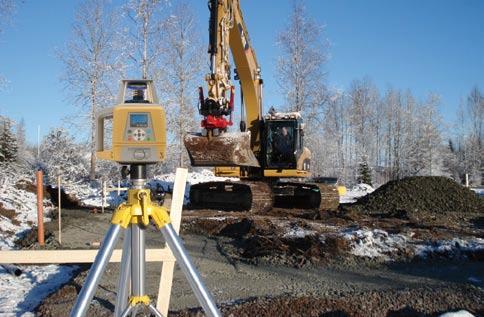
139 128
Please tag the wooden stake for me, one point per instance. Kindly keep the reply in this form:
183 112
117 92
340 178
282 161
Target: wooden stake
40 208
59 207
166 279
103 195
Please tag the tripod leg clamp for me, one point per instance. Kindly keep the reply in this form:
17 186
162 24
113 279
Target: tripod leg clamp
135 300
122 216
160 216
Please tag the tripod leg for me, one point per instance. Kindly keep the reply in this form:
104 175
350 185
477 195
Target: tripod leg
127 311
155 311
194 279
138 262
94 276
125 277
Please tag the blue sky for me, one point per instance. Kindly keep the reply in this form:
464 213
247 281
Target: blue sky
425 46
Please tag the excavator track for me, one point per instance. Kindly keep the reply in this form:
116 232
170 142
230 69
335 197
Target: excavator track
305 195
250 196
329 197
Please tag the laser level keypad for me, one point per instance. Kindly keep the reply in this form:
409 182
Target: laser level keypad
139 128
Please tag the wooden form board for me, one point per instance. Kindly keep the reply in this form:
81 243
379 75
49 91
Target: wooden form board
87 256
73 256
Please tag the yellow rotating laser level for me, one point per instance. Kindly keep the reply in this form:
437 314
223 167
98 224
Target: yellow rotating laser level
138 139
138 126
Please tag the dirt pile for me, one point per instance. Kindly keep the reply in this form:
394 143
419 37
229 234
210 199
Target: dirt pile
420 302
29 240
255 240
424 194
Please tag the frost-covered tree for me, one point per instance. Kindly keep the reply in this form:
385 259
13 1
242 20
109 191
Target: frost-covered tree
475 106
184 54
93 65
61 155
364 98
429 138
21 141
144 43
467 140
300 68
8 143
7 9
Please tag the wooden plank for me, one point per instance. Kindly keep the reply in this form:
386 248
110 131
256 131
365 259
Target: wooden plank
178 197
166 279
74 256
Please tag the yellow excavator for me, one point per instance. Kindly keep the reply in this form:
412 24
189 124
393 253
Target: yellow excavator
268 155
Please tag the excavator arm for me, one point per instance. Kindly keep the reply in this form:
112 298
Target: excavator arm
214 146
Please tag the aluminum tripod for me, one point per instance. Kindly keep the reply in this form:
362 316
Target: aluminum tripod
135 215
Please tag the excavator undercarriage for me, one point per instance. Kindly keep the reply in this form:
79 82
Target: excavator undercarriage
260 196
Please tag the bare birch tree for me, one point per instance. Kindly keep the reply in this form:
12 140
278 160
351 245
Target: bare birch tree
7 9
144 45
300 68
183 61
92 65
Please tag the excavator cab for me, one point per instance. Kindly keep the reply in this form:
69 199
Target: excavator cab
281 144
283 140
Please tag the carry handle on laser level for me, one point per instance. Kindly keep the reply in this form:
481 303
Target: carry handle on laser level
101 153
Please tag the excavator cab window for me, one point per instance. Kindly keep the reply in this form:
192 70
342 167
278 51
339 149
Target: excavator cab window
281 144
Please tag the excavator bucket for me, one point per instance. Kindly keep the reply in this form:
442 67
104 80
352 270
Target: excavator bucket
227 149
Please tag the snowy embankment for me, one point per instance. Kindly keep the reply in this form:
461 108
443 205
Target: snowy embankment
19 295
356 192
380 244
376 243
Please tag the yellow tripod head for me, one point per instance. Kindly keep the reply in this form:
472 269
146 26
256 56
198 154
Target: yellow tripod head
138 126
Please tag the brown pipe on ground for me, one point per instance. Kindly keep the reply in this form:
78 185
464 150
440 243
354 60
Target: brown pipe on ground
40 208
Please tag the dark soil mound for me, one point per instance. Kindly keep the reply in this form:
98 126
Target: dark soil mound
29 240
67 200
423 301
427 194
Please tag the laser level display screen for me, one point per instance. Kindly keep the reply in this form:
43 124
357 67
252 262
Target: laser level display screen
138 120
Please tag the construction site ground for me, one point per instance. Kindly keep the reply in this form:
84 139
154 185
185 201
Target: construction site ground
276 264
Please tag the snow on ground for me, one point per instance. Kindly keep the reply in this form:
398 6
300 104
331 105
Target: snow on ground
356 192
297 232
25 205
460 313
20 295
450 248
88 194
374 243
377 243
479 191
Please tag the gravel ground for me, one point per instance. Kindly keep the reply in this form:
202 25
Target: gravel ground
330 288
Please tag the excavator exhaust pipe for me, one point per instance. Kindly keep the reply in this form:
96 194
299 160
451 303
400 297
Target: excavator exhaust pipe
228 149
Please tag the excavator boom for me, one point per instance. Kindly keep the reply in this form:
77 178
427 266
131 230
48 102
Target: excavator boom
215 146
